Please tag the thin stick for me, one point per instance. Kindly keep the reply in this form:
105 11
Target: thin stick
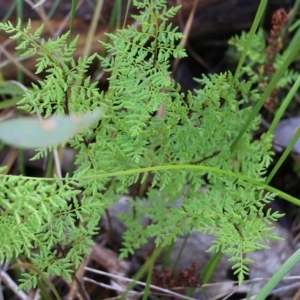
138 282
41 12
15 62
12 285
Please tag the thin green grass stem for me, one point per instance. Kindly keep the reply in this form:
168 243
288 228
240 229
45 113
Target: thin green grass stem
72 18
277 76
292 26
126 13
9 102
293 15
49 169
92 29
148 282
20 78
180 252
44 292
255 24
167 256
115 19
210 269
284 155
20 74
53 8
21 161
287 100
277 277
10 11
147 265
91 4
207 272
33 268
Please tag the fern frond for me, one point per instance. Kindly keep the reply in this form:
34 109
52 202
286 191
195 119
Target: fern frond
196 129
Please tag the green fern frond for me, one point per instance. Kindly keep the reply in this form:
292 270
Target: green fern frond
196 129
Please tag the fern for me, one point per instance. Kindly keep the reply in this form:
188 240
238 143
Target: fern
196 129
40 215
63 74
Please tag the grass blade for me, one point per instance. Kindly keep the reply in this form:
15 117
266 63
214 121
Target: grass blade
279 73
284 105
275 279
284 155
73 12
255 24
